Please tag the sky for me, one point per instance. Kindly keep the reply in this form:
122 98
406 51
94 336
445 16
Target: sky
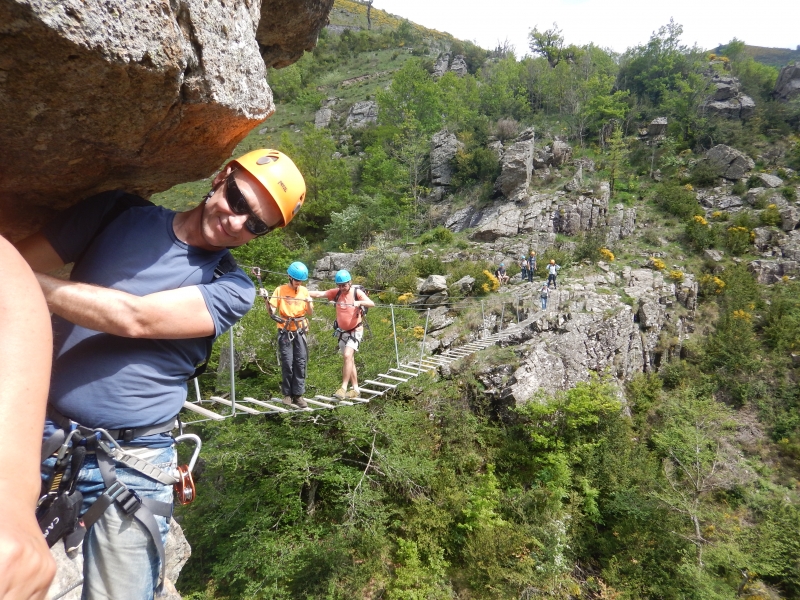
615 24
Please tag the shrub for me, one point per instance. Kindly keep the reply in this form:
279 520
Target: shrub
657 263
739 188
677 200
440 235
703 174
506 129
589 245
737 240
700 234
676 276
710 285
427 264
488 284
771 215
789 193
606 254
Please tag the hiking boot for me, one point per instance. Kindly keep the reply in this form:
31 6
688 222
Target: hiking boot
340 394
353 394
300 401
287 400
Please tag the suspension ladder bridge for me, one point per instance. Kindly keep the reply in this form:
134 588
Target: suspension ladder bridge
201 409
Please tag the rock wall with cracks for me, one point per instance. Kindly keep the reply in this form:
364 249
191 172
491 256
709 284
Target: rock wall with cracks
97 95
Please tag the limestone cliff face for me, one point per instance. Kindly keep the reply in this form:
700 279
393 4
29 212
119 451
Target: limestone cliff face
96 95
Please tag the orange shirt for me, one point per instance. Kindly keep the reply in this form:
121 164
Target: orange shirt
289 304
347 315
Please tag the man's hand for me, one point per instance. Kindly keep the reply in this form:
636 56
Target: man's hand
263 292
26 566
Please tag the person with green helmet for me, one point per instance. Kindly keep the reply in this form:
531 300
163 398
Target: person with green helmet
290 306
351 304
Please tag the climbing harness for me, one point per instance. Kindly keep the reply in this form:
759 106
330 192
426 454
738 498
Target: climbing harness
345 335
58 509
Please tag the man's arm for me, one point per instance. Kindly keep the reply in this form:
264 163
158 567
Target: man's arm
172 314
26 567
365 300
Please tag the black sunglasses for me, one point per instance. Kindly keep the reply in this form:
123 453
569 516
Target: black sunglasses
239 206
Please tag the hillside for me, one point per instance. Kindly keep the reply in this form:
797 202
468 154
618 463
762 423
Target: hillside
638 438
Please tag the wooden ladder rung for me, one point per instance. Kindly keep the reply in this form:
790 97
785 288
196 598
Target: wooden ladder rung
392 377
380 383
203 411
246 409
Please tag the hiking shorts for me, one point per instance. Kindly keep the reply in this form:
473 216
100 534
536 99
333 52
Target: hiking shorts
351 339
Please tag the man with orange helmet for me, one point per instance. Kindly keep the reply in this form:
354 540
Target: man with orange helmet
149 292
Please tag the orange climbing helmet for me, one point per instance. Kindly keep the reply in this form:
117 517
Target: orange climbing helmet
278 174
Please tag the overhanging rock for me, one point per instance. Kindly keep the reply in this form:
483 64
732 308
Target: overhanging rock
97 95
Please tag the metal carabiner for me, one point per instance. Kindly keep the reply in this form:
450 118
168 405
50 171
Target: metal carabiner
184 488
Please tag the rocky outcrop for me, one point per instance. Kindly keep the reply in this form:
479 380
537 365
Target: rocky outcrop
773 271
444 146
728 162
362 114
283 40
727 100
788 84
546 214
516 167
443 64
770 181
585 332
322 118
326 267
657 127
100 96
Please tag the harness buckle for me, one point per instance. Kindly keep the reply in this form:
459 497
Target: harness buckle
128 500
126 435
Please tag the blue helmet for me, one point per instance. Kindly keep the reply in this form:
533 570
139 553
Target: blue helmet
342 276
298 271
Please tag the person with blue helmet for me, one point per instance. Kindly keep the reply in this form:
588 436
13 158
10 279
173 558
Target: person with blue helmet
351 303
501 274
290 306
523 268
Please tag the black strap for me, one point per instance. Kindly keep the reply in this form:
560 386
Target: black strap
125 435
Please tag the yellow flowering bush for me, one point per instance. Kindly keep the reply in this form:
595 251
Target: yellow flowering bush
676 276
607 254
742 315
491 284
689 187
657 264
771 216
419 332
405 298
711 284
699 219
738 239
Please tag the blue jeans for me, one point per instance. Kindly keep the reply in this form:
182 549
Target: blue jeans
120 558
544 302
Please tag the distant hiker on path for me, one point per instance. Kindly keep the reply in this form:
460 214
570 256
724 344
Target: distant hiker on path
501 275
544 294
552 271
351 304
289 306
531 266
523 268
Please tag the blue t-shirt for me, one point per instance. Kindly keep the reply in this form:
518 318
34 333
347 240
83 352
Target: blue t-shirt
103 380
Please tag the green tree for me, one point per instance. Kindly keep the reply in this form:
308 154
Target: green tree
328 183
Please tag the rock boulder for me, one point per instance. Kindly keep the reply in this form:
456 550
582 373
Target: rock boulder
516 169
444 146
98 95
362 114
728 162
788 84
